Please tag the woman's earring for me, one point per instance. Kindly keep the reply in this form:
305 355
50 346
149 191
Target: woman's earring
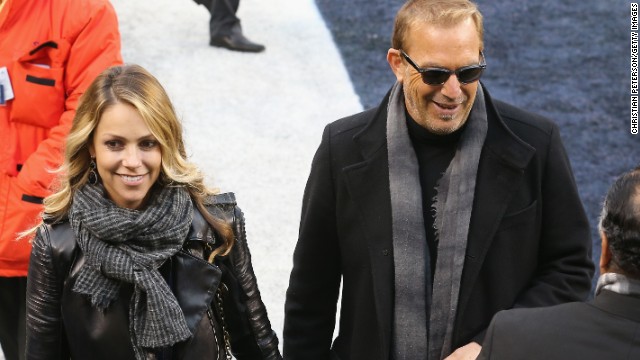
93 175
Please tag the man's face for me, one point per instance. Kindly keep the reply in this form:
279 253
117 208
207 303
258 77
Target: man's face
441 109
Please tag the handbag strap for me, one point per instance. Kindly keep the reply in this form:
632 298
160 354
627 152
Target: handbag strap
225 334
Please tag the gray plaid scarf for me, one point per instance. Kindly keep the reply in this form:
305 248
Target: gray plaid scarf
124 245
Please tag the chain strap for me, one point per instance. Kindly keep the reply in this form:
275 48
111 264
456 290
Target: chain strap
220 309
213 327
225 333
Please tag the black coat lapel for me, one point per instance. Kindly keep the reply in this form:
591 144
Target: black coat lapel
502 164
626 306
368 185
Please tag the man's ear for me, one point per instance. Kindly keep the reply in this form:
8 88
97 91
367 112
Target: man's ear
605 254
395 62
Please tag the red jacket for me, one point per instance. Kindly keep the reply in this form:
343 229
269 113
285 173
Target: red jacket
52 50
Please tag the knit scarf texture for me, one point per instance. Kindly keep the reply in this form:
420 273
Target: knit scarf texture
128 246
414 335
410 252
453 206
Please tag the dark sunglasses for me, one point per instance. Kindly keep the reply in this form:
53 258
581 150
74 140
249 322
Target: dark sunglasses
438 76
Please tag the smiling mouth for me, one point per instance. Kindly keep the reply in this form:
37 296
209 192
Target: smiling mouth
447 106
131 179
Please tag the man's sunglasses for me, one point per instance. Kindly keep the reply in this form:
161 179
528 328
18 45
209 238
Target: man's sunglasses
438 76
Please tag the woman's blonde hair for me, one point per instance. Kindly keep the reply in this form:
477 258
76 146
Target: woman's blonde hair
135 86
435 12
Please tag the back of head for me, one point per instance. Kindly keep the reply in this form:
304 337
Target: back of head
620 222
436 12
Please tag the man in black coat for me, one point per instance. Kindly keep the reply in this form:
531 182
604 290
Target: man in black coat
605 328
436 210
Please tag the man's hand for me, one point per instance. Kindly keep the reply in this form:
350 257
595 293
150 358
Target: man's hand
467 352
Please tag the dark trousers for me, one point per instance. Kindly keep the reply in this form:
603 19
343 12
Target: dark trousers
13 293
223 16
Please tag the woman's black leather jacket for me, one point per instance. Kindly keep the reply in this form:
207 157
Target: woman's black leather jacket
62 324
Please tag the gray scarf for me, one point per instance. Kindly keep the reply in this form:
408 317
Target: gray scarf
411 339
128 246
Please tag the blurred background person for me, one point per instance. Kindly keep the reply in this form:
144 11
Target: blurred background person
50 51
224 26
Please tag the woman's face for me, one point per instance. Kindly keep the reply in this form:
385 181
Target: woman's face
127 155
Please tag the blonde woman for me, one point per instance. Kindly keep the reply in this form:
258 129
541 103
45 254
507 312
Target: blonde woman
136 258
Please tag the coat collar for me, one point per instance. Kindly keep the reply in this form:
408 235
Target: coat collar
368 184
502 164
622 305
504 144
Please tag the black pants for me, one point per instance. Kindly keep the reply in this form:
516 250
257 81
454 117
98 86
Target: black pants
13 293
223 16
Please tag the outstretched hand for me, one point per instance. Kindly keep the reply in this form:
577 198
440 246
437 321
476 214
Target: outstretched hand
467 352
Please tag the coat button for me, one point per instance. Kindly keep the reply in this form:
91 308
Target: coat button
385 252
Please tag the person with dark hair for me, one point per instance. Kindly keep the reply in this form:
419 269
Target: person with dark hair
606 327
50 51
224 26
136 258
434 210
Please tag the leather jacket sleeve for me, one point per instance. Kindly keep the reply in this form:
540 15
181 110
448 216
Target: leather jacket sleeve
250 330
45 329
